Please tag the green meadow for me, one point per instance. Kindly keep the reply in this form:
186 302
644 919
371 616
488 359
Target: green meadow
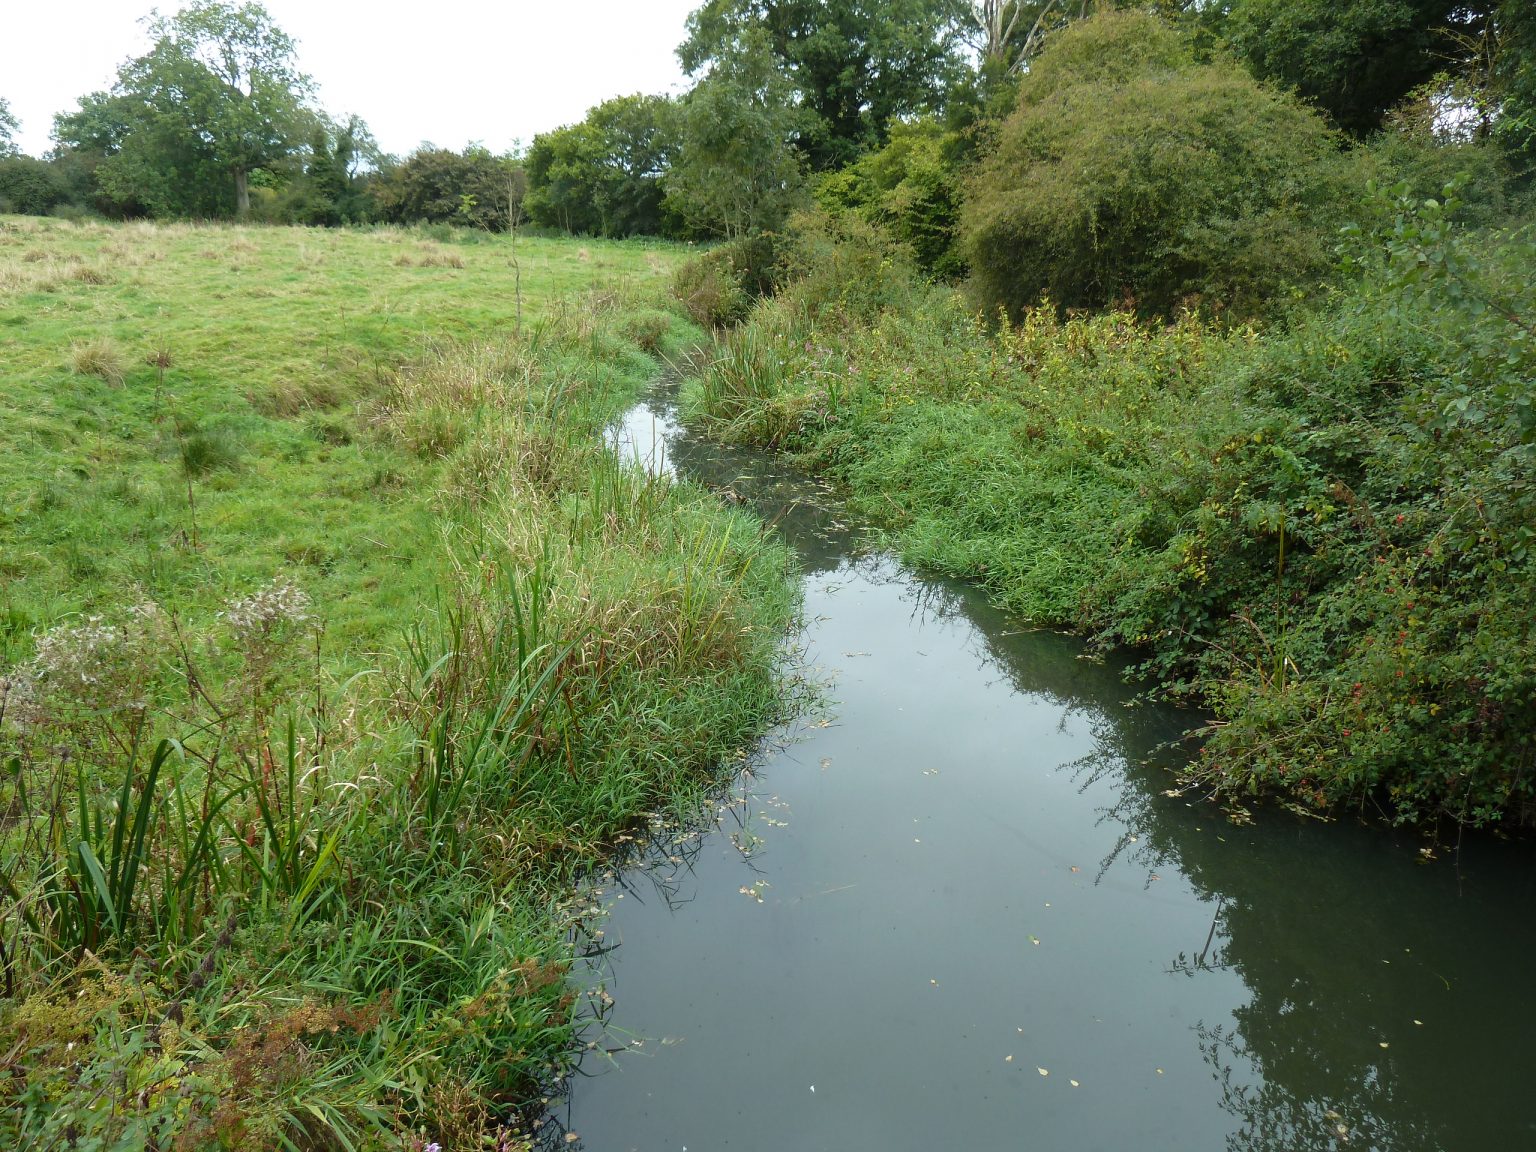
188 409
337 648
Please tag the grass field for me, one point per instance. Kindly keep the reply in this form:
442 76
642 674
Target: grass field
336 647
166 382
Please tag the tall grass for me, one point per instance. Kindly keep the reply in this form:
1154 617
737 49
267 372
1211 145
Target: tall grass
249 903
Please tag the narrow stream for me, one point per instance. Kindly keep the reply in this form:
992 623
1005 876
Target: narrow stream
958 911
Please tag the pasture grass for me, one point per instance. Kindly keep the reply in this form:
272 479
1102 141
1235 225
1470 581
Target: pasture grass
338 647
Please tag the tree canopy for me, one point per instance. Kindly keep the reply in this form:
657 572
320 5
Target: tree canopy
1354 59
218 96
736 172
9 126
854 65
604 175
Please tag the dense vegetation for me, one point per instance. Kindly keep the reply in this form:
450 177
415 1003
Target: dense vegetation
1318 521
1203 328
335 647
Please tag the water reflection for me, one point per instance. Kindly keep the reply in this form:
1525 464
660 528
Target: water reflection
969 912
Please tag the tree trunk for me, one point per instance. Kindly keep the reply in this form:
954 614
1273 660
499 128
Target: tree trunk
242 195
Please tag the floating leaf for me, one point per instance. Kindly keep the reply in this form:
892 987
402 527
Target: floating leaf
1008 1059
1042 1071
1034 940
1074 1083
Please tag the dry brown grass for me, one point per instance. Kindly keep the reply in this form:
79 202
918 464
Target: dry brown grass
430 256
100 357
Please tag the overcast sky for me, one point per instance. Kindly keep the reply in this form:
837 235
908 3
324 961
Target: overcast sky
448 71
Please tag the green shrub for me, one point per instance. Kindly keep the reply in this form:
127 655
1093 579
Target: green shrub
718 286
911 188
1130 173
30 187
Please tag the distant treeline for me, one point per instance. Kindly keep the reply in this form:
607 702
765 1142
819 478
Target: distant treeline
882 108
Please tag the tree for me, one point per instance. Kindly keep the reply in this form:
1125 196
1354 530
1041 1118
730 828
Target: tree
254 111
604 175
1129 170
855 65
1354 59
737 172
217 97
435 185
9 126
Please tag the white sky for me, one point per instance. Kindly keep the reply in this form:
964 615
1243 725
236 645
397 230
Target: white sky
448 71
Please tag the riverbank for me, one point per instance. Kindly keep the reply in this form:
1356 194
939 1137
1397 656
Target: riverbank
973 853
333 656
1320 527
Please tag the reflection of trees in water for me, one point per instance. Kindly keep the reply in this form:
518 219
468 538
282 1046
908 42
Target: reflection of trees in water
1274 1116
1339 940
1343 943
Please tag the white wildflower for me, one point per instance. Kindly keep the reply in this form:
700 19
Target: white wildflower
260 613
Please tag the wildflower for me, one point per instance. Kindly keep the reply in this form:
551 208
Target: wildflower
261 613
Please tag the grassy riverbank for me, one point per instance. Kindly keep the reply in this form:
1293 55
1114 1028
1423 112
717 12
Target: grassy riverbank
336 647
1321 526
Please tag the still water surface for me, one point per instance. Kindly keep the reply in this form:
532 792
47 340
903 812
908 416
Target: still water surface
958 910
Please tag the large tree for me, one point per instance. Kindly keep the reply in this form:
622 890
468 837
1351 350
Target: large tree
736 171
856 65
217 96
243 92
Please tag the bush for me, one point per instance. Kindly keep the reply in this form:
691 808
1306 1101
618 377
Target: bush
911 188
718 287
30 187
434 185
1131 173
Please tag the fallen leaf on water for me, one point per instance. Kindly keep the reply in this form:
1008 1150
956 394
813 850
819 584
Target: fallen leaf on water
571 1137
826 762
1420 1023
1383 1044
1159 1071
1074 1083
1008 1059
1034 940
1042 1071
1075 868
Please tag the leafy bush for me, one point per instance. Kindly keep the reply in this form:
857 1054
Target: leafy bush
911 188
1129 172
30 187
437 186
718 286
1327 530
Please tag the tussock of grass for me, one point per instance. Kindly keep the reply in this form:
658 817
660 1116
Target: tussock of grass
98 357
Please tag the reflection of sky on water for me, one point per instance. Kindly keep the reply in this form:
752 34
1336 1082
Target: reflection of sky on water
965 874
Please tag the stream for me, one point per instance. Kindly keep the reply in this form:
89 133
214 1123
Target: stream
957 907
